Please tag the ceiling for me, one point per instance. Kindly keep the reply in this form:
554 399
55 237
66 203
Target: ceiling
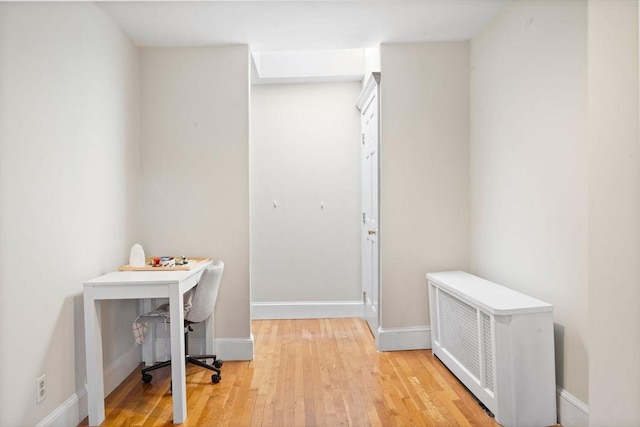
297 25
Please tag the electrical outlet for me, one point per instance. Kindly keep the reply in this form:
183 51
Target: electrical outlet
41 388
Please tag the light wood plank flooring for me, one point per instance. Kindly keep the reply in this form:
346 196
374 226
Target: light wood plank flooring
311 372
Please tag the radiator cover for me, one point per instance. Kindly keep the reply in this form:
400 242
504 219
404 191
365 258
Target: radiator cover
499 343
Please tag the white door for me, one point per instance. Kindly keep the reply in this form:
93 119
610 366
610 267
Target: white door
369 221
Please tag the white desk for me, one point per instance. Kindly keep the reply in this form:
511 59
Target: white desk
137 285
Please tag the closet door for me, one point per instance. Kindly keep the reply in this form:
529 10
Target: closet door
369 108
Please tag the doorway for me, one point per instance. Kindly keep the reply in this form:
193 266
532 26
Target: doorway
305 200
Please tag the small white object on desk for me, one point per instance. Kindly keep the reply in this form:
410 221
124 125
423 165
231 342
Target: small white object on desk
136 256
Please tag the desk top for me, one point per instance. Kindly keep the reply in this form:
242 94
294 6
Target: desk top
142 277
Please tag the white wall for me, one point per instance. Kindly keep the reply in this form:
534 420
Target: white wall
68 194
424 178
304 152
614 214
529 167
195 176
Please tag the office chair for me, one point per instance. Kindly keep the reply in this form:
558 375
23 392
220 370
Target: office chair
200 305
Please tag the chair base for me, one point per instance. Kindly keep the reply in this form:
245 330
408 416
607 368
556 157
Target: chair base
196 360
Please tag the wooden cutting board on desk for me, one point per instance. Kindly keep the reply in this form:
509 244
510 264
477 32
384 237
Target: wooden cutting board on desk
193 263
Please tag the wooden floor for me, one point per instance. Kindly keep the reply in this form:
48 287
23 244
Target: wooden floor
312 372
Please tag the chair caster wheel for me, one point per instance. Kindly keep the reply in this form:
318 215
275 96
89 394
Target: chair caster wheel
215 378
218 364
146 378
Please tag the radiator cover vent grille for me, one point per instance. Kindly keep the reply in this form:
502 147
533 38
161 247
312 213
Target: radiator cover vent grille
459 332
487 343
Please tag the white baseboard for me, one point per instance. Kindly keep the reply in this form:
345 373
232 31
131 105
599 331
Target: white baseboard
73 410
306 310
70 413
571 411
226 348
411 338
119 370
235 348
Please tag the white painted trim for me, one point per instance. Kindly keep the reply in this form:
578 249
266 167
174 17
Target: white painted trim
410 338
163 348
73 410
225 348
119 370
306 310
235 348
572 412
372 82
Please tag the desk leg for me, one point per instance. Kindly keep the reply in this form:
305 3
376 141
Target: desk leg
93 346
178 371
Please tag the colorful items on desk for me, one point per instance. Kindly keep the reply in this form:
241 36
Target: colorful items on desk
166 261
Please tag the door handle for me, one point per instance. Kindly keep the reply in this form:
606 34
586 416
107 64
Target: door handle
373 231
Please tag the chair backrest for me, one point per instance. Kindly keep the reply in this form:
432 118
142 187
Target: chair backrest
206 294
